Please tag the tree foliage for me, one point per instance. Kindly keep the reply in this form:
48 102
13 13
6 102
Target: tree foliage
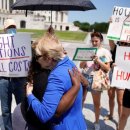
85 27
77 23
99 27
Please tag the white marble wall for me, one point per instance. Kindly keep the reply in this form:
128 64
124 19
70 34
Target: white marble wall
36 20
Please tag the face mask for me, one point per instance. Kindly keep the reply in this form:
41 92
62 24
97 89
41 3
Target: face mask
11 31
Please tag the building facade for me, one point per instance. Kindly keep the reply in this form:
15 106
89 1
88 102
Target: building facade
35 19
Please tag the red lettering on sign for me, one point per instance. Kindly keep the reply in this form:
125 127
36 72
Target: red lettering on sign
121 75
127 56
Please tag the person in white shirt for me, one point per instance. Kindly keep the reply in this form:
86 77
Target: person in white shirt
101 61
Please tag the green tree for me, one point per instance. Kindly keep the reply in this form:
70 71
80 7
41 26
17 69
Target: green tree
100 27
77 23
85 26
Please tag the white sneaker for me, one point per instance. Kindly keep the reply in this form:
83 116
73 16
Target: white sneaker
97 126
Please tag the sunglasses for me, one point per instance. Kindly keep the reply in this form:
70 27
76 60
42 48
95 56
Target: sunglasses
38 56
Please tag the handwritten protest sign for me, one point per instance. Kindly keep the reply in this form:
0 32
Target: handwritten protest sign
117 28
121 74
84 54
15 55
125 34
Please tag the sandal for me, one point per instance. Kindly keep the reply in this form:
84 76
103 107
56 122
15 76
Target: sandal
108 117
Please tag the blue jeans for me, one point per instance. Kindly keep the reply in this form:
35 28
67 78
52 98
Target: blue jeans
110 75
9 86
90 81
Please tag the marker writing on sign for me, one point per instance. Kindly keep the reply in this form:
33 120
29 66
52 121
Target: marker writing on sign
8 49
127 56
121 75
121 11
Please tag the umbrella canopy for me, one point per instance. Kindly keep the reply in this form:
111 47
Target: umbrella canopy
53 5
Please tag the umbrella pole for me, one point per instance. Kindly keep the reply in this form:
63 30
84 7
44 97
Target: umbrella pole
26 13
51 17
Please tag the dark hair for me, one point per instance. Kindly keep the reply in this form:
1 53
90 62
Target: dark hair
11 26
39 77
97 34
121 43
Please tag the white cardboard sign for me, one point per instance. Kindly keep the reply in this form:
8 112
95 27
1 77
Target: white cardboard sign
121 74
119 28
15 55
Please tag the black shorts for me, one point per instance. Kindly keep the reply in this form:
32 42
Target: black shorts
126 98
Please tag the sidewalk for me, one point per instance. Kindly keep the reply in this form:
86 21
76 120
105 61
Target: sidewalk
88 112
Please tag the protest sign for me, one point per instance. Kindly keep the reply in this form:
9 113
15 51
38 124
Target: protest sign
117 29
15 55
121 74
125 34
84 54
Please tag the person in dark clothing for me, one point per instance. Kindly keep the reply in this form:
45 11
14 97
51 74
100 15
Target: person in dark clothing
114 89
125 103
39 77
50 53
126 110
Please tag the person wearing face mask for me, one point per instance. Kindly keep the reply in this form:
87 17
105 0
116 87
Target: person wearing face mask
9 26
10 85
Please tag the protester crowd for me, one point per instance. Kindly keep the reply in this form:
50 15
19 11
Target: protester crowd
51 97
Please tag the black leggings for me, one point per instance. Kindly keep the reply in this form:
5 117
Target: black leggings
126 98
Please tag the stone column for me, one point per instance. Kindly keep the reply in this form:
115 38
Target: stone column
0 5
4 4
8 5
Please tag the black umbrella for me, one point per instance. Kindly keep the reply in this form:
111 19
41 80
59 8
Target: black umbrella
53 5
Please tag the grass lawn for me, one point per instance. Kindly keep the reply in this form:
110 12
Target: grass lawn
62 35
